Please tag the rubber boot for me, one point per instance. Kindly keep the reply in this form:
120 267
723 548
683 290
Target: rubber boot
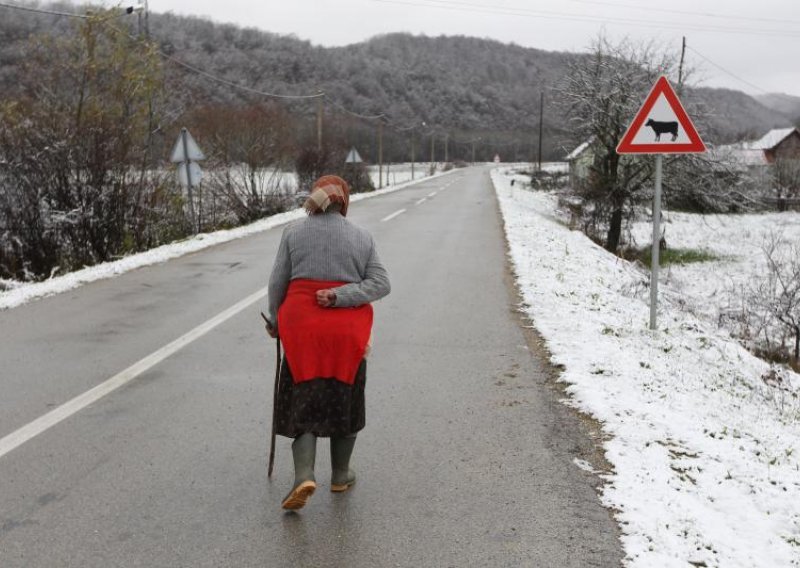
304 451
342 477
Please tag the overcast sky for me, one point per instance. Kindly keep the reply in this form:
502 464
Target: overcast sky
758 42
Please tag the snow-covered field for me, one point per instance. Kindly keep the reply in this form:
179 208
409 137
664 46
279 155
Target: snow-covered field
20 293
705 452
269 180
737 240
394 174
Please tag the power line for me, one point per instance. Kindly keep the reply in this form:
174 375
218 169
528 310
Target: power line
687 12
206 74
357 115
565 16
721 68
192 68
231 83
128 10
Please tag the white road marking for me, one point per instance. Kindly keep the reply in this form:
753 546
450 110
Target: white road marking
393 215
431 194
47 421
421 201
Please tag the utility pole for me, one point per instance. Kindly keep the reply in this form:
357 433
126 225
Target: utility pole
380 154
146 21
412 154
320 96
433 164
541 123
446 140
473 152
680 67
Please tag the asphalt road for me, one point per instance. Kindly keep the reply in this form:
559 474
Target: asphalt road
467 458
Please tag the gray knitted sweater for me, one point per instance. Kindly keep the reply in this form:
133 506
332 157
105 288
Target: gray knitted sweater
328 247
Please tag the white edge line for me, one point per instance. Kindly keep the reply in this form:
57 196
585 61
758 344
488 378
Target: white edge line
47 421
393 215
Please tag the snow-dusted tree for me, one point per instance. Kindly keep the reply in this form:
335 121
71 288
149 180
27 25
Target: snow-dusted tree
600 96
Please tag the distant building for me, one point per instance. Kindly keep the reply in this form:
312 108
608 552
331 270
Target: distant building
752 157
777 144
580 160
781 143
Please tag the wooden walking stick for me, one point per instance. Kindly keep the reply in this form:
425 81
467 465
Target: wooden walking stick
274 398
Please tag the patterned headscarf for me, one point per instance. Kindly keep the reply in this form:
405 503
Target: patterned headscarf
327 190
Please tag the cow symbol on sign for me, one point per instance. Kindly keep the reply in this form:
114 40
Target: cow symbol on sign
663 128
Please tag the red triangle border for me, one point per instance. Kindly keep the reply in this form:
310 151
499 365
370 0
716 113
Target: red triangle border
694 146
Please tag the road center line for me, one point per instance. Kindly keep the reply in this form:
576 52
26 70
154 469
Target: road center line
431 194
421 201
47 421
393 215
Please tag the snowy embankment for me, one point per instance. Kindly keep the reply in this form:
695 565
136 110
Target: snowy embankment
705 454
20 293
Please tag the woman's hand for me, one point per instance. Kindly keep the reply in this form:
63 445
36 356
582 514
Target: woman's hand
273 333
326 298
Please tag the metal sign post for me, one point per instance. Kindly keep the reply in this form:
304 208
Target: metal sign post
660 127
189 184
654 256
186 152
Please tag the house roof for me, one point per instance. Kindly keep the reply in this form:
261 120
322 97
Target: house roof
741 155
771 139
579 150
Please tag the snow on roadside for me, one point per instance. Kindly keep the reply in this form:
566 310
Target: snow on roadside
21 293
705 454
737 240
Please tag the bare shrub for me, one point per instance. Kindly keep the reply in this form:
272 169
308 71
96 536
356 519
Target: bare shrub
249 147
769 318
74 137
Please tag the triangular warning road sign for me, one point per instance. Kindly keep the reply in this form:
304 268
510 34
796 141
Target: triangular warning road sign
353 157
187 150
661 126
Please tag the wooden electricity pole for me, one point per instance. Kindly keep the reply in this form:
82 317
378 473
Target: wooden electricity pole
412 154
380 154
680 67
541 123
320 96
433 167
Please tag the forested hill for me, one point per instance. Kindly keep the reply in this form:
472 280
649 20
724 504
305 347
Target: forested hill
463 83
786 104
453 82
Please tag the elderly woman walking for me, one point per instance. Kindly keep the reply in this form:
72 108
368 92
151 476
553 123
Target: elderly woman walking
325 275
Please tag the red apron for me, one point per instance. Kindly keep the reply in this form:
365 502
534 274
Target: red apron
322 342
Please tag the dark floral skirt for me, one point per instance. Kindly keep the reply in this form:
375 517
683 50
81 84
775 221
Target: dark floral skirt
325 407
